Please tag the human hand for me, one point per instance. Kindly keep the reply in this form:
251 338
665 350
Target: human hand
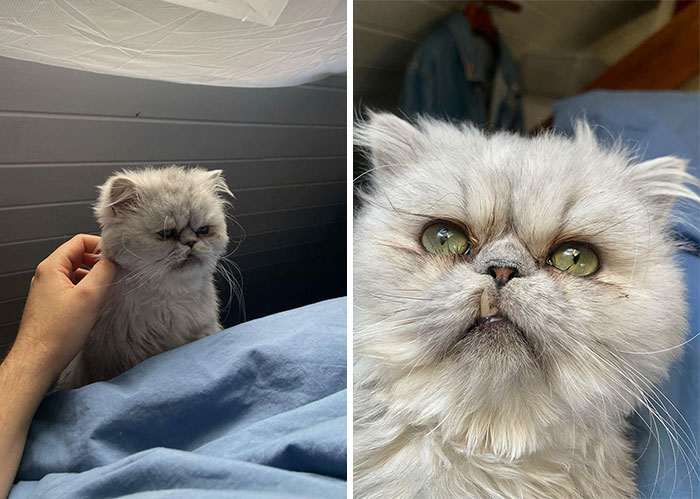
62 305
60 311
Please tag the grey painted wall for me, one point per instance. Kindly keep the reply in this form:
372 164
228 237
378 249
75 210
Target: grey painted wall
62 132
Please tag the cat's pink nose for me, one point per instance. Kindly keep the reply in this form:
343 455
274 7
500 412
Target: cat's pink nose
503 274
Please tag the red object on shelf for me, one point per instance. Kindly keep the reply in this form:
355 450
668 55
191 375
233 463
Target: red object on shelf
479 16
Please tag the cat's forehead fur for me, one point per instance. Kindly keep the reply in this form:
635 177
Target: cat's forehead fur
540 188
177 193
134 206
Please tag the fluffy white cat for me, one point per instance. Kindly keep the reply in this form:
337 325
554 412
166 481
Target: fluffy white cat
165 228
506 292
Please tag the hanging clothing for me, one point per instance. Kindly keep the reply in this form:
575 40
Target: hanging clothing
458 74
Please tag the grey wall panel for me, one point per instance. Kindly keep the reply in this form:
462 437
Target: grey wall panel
288 197
31 87
53 138
63 132
53 220
284 238
270 251
278 256
281 219
15 285
43 221
26 255
11 310
25 184
53 224
275 247
7 334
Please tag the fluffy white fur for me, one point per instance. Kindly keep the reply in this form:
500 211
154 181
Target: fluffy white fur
441 412
164 294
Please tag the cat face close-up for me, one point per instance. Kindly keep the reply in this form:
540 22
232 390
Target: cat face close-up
505 289
169 220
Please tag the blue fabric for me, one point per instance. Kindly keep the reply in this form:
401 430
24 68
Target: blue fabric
456 74
658 124
256 411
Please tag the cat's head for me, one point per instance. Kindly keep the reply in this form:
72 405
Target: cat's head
504 285
164 221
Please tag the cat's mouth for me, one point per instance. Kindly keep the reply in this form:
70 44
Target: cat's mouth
492 321
188 261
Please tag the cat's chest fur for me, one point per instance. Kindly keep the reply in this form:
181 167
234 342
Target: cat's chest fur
138 321
569 467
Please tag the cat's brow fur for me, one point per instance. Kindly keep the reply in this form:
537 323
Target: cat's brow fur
160 299
442 414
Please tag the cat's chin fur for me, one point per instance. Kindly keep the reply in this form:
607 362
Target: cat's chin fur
163 295
536 407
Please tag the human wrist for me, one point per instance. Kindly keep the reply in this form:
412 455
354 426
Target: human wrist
31 364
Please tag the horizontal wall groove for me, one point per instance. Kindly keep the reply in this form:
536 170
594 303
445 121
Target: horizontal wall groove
165 161
300 227
263 212
42 239
236 243
169 121
46 205
245 189
232 255
284 186
9 300
284 210
15 272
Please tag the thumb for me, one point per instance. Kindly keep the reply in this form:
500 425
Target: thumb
100 276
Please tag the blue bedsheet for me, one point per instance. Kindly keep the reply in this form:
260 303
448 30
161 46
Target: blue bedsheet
256 411
656 124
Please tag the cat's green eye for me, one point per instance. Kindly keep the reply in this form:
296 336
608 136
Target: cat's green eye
575 258
203 230
444 238
167 233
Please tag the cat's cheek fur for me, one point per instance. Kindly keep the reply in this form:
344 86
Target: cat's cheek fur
443 412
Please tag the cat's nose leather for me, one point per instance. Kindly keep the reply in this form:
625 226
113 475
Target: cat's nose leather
190 243
503 274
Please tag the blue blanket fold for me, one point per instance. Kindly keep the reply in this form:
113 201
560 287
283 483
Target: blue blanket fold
258 410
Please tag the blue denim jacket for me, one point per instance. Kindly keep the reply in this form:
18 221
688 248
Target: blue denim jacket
456 74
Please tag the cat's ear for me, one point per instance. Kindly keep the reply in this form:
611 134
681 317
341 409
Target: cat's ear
120 193
218 183
661 181
388 140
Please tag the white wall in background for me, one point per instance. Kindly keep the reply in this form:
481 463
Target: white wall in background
387 32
